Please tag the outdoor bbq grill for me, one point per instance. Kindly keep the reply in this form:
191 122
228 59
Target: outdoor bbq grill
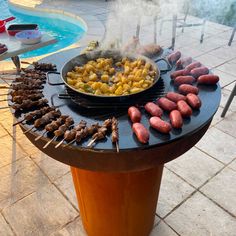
132 176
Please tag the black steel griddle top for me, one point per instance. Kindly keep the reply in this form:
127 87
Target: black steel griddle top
209 95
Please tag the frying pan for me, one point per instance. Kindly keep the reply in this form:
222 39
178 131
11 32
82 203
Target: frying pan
116 55
3 23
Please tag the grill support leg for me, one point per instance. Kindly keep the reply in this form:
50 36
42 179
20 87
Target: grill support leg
117 203
230 99
232 36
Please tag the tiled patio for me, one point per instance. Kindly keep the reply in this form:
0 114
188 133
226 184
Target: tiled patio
198 190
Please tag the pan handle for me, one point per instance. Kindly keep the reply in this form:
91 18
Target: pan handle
48 78
169 67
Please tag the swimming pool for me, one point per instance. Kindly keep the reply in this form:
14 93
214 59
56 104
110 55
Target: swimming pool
65 29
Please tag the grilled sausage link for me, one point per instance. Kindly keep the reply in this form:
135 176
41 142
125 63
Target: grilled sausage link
184 108
134 114
160 125
141 132
192 66
166 104
199 71
153 109
174 57
187 88
176 119
188 79
175 97
182 63
193 100
208 79
177 73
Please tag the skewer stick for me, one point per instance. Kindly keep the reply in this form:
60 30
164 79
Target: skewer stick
28 130
3 108
4 100
60 143
117 147
18 122
4 94
91 142
4 87
40 136
71 142
46 145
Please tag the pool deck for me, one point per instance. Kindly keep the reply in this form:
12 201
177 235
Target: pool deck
197 196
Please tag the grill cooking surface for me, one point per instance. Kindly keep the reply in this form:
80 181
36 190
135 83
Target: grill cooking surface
95 111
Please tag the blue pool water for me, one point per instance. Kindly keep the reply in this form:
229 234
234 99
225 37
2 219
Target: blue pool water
66 30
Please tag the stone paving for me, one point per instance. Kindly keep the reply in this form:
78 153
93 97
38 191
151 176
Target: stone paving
197 196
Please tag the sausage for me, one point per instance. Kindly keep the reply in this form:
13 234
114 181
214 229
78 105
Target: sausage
184 108
166 104
177 73
141 132
187 88
176 119
188 79
153 109
175 97
196 72
193 66
160 125
208 79
193 100
174 57
182 63
134 114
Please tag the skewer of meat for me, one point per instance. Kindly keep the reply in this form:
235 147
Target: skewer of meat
44 66
61 130
25 86
83 133
101 133
27 104
35 114
21 92
54 125
115 133
20 98
45 119
26 80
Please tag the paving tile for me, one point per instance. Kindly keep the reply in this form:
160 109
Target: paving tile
210 60
41 213
218 144
225 78
162 229
74 228
190 51
10 151
228 124
19 179
224 98
52 168
223 183
193 162
233 165
65 184
224 52
199 216
228 67
3 132
173 191
217 117
5 230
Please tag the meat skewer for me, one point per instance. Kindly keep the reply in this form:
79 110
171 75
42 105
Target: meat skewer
26 86
54 125
20 98
45 119
23 92
27 104
35 114
69 135
115 133
101 133
28 80
61 130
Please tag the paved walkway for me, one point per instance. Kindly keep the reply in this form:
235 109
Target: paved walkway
198 191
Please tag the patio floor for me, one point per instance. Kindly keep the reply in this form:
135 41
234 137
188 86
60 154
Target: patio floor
197 196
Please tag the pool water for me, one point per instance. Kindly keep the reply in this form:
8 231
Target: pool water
66 31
